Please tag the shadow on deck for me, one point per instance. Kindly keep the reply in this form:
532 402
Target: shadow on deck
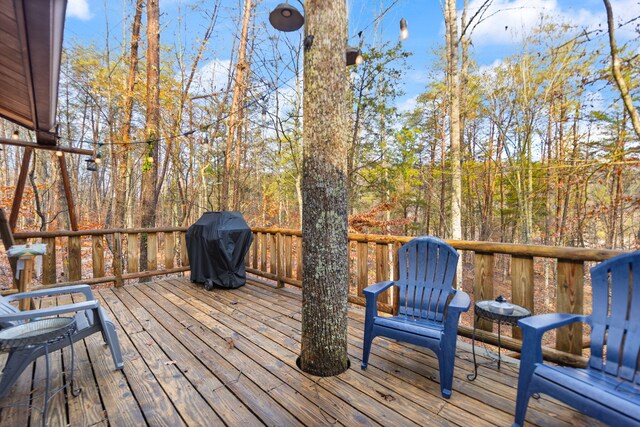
228 358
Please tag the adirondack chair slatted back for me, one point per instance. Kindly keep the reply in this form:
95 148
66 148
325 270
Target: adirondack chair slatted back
615 318
427 269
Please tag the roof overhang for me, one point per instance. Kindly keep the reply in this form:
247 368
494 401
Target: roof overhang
30 50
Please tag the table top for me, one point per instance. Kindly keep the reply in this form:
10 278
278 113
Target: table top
505 313
36 332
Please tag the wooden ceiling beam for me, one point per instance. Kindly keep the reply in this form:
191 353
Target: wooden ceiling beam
29 144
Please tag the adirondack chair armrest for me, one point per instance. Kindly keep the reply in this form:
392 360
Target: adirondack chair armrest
375 289
371 294
460 302
52 311
83 289
542 323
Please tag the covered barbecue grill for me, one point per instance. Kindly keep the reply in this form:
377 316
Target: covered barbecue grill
217 245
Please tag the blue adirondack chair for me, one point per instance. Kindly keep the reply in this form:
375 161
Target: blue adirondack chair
429 305
609 388
90 318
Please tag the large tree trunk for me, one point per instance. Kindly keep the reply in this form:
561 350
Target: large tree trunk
324 183
451 24
234 130
150 169
122 152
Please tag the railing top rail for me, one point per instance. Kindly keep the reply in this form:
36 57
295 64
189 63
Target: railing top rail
516 249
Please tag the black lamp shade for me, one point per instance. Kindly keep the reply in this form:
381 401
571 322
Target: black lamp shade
352 55
286 18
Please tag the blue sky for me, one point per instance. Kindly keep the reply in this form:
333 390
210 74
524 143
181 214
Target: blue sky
495 38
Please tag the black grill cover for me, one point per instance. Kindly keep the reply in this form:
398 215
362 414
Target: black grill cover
217 244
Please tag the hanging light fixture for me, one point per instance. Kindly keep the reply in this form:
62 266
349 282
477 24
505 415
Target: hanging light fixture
91 164
205 141
352 55
359 58
404 32
98 159
59 153
15 135
286 18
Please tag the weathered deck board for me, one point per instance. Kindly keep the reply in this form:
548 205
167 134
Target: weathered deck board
228 357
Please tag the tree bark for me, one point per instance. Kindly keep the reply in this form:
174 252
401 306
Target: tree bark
324 183
150 170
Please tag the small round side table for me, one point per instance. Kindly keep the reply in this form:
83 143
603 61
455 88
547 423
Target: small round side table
498 313
43 332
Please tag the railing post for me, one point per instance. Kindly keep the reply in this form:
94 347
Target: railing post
152 251
263 251
97 255
288 260
117 259
279 250
382 268
362 267
49 275
396 276
169 249
133 252
522 285
75 258
254 248
570 299
299 258
483 283
273 254
184 255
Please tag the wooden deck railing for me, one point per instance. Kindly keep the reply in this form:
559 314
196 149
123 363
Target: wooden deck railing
276 255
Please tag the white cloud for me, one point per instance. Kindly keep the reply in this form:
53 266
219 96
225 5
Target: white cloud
79 9
507 21
212 77
408 104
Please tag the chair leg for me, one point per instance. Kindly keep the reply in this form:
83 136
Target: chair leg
17 362
445 364
522 402
366 348
114 344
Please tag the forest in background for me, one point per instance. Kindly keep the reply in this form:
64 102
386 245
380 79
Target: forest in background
547 152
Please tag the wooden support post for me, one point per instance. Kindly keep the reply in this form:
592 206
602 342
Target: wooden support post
288 260
396 276
483 284
184 255
49 275
254 249
17 196
263 251
299 258
133 252
152 251
382 269
97 255
279 249
273 254
75 258
117 259
570 299
169 249
362 267
73 220
522 285
24 283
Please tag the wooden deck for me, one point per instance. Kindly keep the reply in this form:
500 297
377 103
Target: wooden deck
202 358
